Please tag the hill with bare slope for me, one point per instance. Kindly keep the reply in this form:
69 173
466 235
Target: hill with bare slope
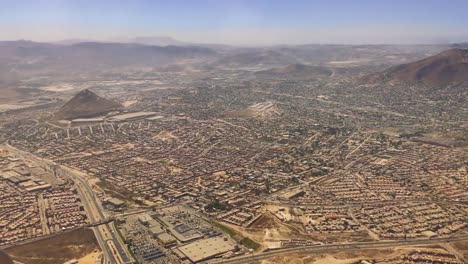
448 67
86 104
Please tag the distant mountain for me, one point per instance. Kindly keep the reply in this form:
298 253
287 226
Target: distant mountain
300 71
26 58
21 60
157 41
448 67
167 41
151 41
72 41
462 45
86 104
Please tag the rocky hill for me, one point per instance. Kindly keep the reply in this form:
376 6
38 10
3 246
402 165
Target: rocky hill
86 104
448 67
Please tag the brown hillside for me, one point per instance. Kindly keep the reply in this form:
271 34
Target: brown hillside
448 67
86 104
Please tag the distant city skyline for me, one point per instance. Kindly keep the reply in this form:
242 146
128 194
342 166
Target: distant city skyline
242 22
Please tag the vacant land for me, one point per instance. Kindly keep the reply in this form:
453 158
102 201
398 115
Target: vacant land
382 256
56 250
247 242
461 247
264 221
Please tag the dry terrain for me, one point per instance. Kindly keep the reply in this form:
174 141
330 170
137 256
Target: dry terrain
379 255
56 250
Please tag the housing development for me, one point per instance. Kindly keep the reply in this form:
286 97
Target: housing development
152 150
222 170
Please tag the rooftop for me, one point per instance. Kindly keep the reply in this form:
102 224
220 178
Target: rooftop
207 248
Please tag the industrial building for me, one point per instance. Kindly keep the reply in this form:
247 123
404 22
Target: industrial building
208 248
131 116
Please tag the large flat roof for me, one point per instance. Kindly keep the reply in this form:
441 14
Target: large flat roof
92 119
131 116
207 248
183 237
116 202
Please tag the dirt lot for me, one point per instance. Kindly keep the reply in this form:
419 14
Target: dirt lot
4 258
381 255
461 247
90 258
264 221
56 250
114 191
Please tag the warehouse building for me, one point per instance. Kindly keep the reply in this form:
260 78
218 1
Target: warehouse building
208 248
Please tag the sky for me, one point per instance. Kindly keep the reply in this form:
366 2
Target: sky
239 22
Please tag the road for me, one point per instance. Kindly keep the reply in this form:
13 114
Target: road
42 214
113 248
116 250
337 248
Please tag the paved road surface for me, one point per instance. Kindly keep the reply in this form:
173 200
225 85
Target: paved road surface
337 248
114 250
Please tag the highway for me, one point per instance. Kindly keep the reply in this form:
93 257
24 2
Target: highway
113 248
337 248
116 250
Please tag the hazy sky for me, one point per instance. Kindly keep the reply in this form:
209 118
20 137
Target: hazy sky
240 22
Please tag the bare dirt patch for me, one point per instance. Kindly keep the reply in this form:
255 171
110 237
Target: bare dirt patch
379 255
114 191
56 250
90 258
461 245
165 135
129 103
264 221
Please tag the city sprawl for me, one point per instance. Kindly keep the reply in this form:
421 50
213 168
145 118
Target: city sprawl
237 168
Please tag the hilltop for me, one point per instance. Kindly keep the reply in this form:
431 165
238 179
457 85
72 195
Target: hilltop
86 104
448 67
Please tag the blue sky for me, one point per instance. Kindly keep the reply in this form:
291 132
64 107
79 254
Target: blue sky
243 22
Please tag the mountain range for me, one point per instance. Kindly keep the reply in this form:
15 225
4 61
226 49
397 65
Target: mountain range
25 58
20 60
